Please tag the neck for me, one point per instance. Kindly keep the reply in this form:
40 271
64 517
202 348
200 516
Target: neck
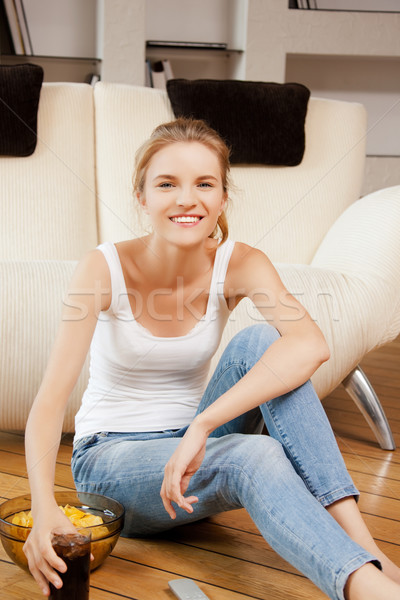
166 262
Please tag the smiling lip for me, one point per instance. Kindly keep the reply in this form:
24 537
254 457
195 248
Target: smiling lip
186 220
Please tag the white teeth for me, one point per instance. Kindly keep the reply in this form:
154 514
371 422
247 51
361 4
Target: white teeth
185 219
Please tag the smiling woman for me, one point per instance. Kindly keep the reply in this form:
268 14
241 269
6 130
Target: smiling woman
184 131
191 195
151 433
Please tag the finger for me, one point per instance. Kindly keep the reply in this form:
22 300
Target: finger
41 568
50 574
186 503
43 576
168 507
52 558
167 502
40 580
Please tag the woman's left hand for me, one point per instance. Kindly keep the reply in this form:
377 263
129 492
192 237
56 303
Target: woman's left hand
182 465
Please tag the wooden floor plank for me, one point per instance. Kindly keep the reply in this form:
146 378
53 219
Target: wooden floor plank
14 464
14 443
17 585
364 482
14 485
225 554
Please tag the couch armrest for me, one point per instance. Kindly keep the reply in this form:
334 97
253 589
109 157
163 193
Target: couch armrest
364 241
354 316
31 294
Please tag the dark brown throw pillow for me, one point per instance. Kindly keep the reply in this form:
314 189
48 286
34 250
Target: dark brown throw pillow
262 123
20 87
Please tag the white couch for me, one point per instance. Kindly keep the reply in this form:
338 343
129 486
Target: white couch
340 255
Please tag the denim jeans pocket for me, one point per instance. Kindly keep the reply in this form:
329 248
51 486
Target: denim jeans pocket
85 442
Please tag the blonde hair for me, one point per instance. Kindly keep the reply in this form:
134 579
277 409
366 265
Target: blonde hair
185 130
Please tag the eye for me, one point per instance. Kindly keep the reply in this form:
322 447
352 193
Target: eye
166 185
205 185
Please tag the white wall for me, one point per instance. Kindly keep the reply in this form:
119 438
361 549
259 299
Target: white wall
372 81
207 21
123 33
275 32
60 28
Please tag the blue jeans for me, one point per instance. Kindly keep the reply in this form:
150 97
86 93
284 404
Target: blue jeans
284 480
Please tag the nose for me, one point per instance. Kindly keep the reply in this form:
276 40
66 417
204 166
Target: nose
186 197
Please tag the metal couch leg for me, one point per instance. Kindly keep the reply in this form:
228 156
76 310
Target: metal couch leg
361 391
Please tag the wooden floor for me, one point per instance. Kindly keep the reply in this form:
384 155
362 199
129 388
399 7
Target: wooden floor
226 555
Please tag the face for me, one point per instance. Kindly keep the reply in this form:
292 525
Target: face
183 192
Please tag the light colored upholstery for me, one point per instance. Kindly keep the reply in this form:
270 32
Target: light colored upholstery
31 294
286 211
47 208
47 220
338 255
125 117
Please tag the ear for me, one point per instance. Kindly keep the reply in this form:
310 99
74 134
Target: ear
142 201
223 203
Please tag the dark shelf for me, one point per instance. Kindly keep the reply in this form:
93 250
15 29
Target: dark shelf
40 57
186 45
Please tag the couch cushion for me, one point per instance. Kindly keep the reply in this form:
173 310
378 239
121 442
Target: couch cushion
31 294
284 211
353 314
262 123
125 117
19 100
48 203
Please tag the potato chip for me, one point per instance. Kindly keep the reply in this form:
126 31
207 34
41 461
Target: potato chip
78 517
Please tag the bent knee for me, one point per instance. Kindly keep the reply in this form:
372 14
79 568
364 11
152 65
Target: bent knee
254 340
253 451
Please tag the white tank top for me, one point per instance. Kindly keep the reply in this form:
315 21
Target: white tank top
141 382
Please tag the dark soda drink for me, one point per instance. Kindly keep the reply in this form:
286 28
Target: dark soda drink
74 549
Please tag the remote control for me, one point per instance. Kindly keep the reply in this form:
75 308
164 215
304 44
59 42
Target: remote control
187 589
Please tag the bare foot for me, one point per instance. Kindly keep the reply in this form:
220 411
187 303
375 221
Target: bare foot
388 566
369 583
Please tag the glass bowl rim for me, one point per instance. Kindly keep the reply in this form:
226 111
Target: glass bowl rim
29 496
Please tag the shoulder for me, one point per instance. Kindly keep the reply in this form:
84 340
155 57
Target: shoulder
249 270
245 257
92 277
93 266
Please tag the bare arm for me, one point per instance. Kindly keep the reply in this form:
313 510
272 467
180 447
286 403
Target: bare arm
43 431
286 364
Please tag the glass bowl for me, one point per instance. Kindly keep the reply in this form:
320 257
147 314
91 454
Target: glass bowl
104 537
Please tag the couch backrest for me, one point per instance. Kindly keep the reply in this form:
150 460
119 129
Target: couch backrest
285 211
48 206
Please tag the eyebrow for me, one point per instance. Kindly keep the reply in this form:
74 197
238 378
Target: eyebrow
207 177
164 176
168 176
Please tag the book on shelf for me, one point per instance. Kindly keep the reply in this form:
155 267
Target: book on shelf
6 40
92 78
148 74
348 5
17 23
23 26
158 73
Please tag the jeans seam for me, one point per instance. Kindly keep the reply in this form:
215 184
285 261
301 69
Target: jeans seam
288 530
225 369
358 561
288 448
241 471
338 494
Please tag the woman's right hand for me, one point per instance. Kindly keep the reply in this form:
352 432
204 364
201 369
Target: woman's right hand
43 562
